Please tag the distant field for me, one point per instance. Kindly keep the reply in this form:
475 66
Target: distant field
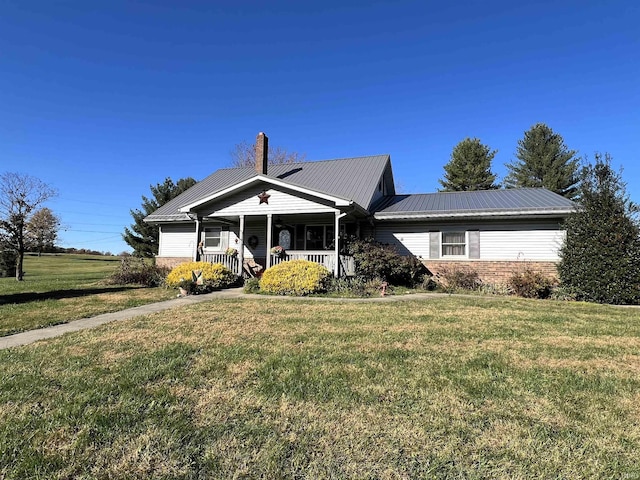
62 287
445 388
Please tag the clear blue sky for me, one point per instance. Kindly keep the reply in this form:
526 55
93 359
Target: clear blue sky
100 99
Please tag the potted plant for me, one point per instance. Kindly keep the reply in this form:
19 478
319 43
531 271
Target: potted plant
232 252
277 251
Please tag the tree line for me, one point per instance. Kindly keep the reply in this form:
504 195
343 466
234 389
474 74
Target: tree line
542 160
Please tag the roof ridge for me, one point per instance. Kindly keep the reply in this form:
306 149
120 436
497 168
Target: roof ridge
306 162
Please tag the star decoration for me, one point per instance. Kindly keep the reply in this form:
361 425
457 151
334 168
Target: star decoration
264 198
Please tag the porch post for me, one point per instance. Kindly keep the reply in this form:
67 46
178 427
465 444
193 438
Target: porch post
336 234
268 260
241 247
195 250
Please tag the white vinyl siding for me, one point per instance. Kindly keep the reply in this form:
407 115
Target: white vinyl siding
247 202
407 241
521 244
497 241
177 240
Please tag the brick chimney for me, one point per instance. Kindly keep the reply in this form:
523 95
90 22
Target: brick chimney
262 153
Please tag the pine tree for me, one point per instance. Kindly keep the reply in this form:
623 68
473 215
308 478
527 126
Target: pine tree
543 160
143 237
600 257
469 168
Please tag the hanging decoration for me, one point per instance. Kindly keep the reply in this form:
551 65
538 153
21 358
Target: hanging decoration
264 198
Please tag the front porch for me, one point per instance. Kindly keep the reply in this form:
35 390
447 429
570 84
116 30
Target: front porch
328 259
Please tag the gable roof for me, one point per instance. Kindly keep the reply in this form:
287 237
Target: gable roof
351 179
482 203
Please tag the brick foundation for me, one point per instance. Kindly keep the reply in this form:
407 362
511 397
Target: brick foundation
171 262
493 272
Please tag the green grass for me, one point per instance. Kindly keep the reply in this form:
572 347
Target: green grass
60 288
272 388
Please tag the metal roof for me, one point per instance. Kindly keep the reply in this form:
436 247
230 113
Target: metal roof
353 179
517 201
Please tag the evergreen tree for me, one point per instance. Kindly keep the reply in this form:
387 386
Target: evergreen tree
143 237
600 257
469 168
543 160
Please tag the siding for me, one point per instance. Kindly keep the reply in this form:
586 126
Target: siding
520 244
177 240
281 202
406 239
524 241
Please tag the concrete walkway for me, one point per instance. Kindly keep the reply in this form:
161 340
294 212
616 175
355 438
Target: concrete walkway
31 336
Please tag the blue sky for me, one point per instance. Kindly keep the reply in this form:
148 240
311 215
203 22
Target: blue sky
102 99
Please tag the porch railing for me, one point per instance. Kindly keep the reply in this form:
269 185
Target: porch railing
347 264
328 259
228 261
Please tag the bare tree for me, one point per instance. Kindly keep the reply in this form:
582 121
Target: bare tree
42 230
20 197
244 155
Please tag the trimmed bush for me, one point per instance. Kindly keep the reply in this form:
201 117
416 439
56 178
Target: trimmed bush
296 277
530 283
137 271
214 275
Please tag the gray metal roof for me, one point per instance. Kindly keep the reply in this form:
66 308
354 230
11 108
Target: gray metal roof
353 179
517 201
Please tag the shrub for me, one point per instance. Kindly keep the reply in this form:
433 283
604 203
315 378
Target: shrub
137 271
530 283
353 287
428 283
251 285
214 275
564 293
8 259
600 256
452 279
296 277
375 260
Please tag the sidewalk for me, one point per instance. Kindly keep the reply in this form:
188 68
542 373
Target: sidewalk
31 336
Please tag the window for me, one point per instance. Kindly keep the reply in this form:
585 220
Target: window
319 237
453 244
213 237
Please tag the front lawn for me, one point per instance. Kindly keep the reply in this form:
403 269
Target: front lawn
62 287
274 388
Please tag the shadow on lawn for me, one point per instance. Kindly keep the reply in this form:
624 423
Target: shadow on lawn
27 297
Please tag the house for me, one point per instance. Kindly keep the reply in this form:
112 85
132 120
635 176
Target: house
310 208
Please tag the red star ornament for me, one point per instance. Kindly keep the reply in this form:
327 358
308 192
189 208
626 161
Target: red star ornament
264 198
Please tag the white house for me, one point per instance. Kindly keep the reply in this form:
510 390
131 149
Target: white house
310 208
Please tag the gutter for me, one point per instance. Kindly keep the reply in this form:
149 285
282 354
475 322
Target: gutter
478 214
